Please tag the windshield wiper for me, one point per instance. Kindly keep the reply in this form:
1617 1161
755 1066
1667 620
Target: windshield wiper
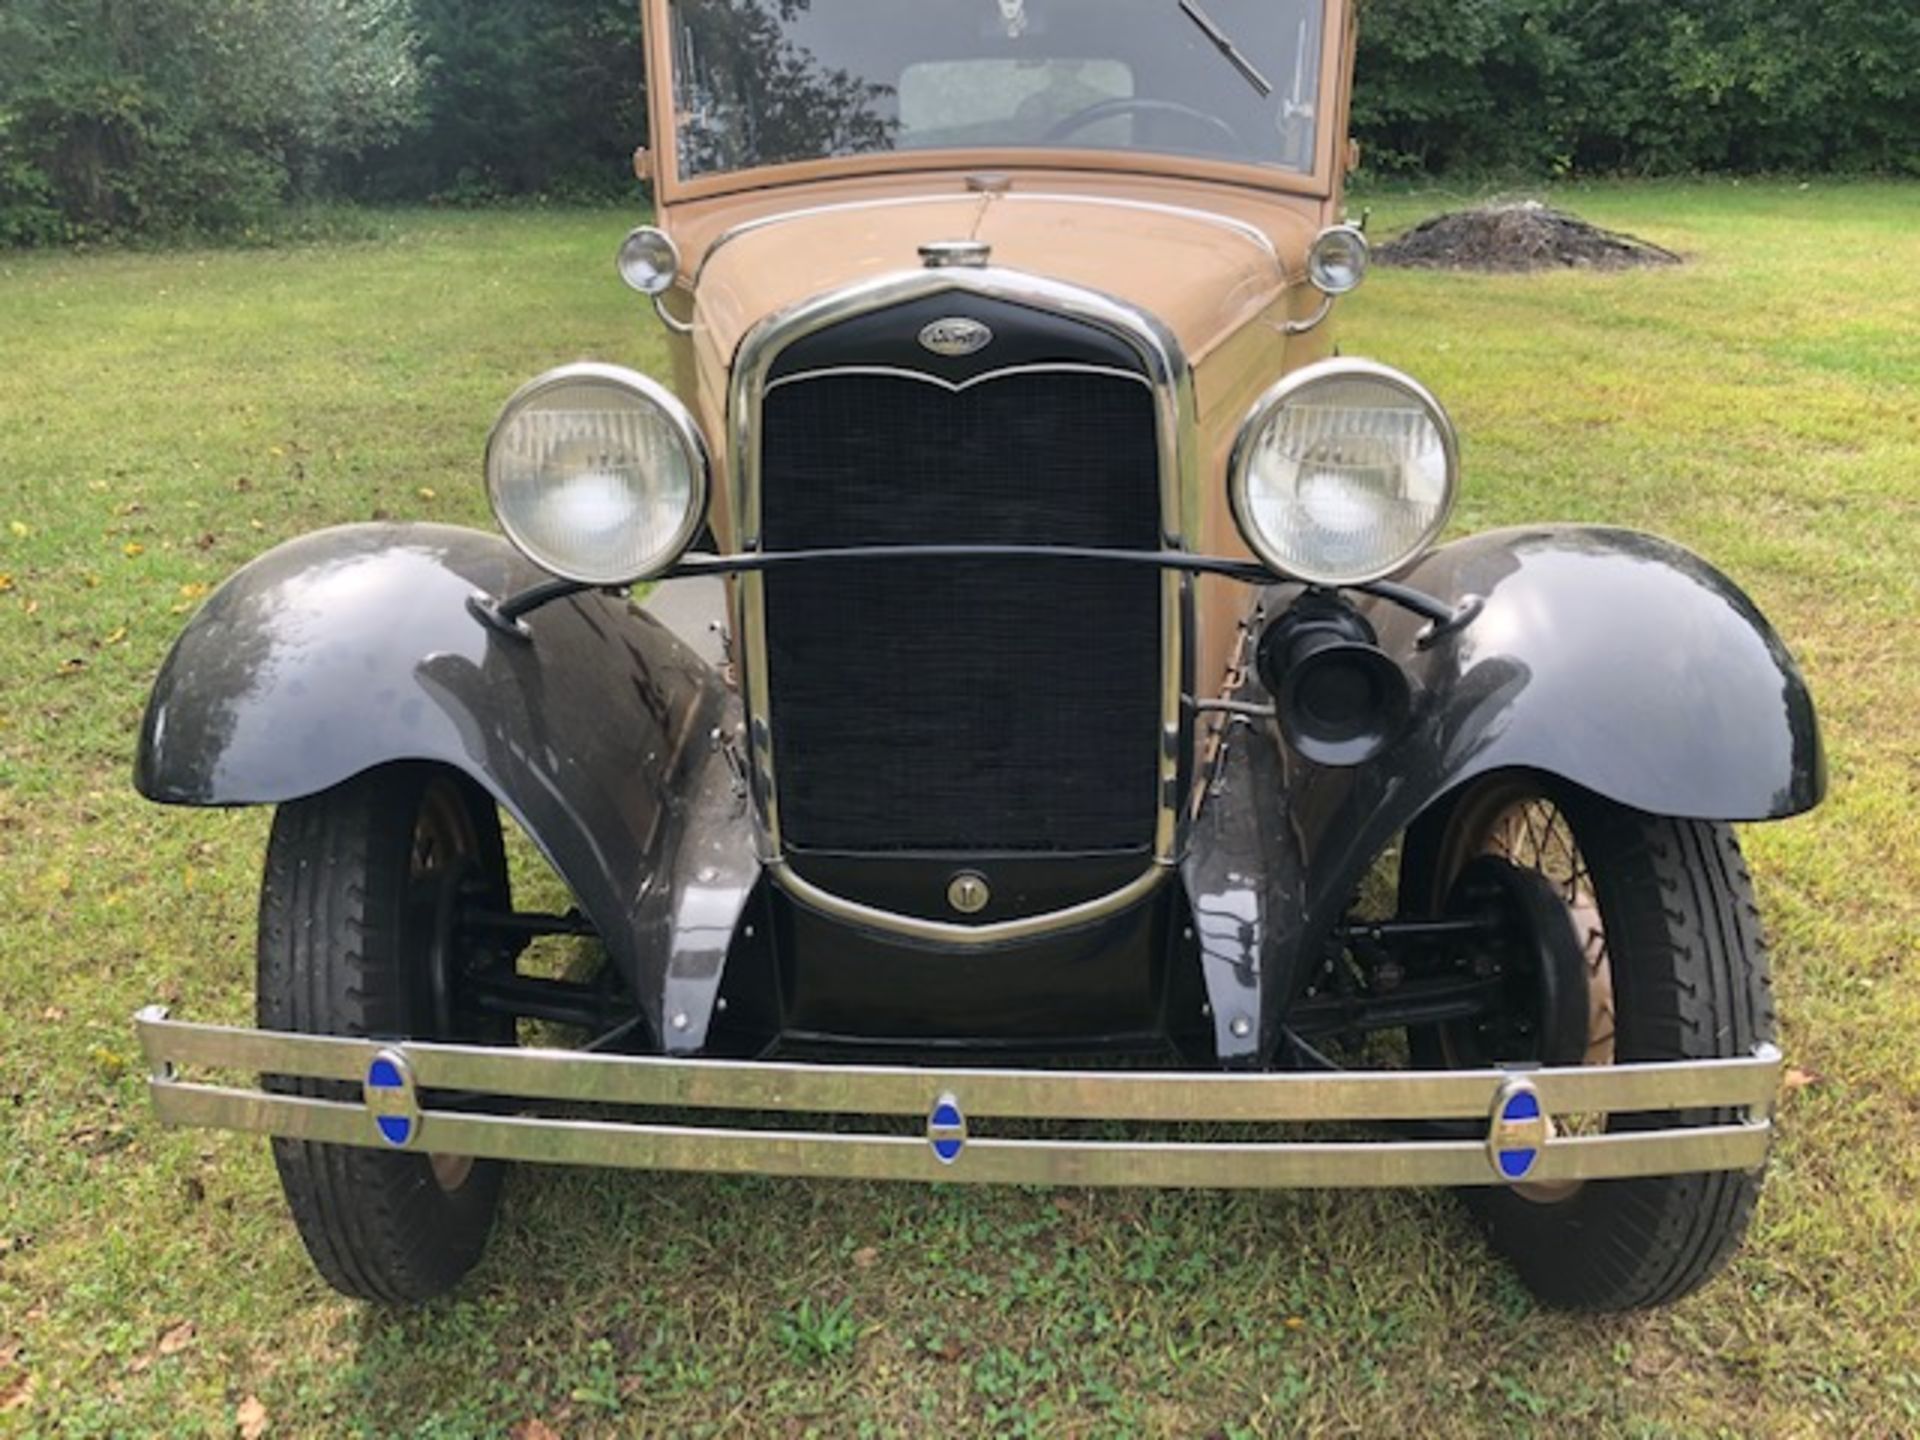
1224 44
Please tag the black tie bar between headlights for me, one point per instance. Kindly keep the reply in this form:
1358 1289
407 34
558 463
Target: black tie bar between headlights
506 615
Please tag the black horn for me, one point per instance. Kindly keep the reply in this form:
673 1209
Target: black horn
1340 698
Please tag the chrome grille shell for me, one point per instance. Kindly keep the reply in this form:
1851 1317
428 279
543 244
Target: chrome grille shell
1165 368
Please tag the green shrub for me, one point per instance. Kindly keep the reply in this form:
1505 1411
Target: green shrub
188 116
1544 86
167 117
541 97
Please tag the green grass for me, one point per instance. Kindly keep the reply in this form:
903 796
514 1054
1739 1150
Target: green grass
165 417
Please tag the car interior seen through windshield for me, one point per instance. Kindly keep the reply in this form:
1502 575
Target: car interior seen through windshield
769 82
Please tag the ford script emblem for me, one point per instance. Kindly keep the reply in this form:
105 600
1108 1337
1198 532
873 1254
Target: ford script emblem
955 335
1519 1130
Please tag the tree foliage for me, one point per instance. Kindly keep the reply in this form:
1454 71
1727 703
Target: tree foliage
180 115
1607 86
535 97
125 116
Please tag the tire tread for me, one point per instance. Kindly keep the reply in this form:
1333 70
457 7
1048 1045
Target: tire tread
376 1225
1691 982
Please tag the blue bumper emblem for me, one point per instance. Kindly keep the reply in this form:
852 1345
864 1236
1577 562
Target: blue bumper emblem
1519 1130
391 1098
946 1129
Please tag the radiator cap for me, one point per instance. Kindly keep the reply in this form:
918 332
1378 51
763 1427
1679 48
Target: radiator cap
947 254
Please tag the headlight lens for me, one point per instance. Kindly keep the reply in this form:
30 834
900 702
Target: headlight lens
649 261
1343 472
597 474
1337 260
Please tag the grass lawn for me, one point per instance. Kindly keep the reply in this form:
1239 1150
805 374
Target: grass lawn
165 417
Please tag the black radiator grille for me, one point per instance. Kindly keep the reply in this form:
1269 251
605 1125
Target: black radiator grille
963 705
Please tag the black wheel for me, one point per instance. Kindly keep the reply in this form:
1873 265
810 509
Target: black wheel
359 935
1662 913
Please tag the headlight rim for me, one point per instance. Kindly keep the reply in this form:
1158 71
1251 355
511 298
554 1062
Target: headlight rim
667 275
1346 231
1239 463
685 428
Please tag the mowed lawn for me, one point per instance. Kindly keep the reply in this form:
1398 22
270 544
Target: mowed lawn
163 418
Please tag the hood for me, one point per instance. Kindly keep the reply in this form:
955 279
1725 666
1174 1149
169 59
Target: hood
1200 274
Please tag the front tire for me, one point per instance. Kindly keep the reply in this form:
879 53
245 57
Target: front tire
1678 971
358 936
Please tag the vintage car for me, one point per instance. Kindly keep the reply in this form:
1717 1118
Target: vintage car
1003 710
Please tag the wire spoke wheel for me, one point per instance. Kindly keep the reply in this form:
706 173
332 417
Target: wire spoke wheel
1536 835
1533 834
1654 919
443 862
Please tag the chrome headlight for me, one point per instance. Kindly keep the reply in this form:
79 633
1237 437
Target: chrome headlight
1337 260
1343 472
649 260
597 474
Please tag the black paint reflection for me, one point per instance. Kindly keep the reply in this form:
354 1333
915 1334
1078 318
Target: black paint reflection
353 647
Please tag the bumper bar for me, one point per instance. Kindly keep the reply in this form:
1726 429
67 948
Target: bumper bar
1514 1138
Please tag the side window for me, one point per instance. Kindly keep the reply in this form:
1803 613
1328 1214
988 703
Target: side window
994 101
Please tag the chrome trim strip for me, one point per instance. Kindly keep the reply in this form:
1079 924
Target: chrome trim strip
1173 1165
1247 231
1004 1092
946 932
1175 599
893 372
1160 352
762 222
1176 428
1745 1084
755 684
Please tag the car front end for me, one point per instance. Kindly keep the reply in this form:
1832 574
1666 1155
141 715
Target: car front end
1048 702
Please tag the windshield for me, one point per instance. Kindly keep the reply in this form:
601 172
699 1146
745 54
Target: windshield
766 82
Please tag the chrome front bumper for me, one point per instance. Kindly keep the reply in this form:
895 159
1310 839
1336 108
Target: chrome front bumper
1513 1108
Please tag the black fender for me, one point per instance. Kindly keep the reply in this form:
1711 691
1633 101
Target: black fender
1615 660
600 732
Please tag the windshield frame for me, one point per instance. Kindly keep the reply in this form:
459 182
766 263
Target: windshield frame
670 187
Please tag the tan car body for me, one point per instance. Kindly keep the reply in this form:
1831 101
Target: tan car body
1213 252
955 894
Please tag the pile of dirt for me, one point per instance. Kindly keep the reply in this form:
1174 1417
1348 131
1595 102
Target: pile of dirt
1518 235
